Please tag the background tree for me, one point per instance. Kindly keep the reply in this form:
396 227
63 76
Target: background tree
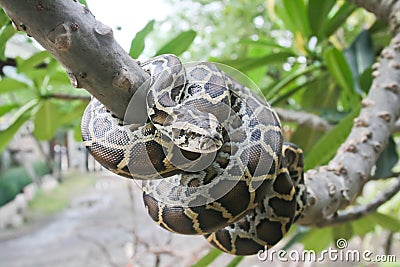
312 56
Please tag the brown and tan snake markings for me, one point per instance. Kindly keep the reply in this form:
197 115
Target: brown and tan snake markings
210 156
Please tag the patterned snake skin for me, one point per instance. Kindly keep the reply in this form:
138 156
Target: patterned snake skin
210 156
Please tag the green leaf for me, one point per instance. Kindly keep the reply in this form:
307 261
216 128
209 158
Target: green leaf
257 75
387 160
340 70
361 52
378 26
342 231
20 117
32 62
327 146
46 121
290 90
339 18
236 260
5 34
300 233
73 115
320 96
77 133
294 15
263 43
7 134
362 226
317 239
137 44
287 80
4 19
7 108
246 64
318 15
8 85
179 44
365 80
386 221
59 80
208 258
305 137
360 55
380 34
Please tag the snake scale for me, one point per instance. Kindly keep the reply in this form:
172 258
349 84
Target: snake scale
209 153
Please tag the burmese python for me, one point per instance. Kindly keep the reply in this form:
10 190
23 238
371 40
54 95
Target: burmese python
218 147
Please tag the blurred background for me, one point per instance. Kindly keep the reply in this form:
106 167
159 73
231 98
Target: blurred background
310 59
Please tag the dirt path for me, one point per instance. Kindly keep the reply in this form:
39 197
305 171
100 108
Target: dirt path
105 226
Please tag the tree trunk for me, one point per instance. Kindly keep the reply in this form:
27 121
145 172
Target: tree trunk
83 45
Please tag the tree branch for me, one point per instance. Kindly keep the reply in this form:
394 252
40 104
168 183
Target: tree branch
102 247
83 45
386 10
362 210
303 118
335 186
68 97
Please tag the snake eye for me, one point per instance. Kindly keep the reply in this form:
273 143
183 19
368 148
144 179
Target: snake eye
189 132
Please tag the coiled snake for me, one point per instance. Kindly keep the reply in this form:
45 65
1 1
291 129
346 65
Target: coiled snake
210 154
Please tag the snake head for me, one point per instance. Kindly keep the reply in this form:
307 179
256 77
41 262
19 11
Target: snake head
200 134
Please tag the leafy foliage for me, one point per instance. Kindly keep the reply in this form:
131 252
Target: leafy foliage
137 44
179 44
27 94
208 258
15 179
6 32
